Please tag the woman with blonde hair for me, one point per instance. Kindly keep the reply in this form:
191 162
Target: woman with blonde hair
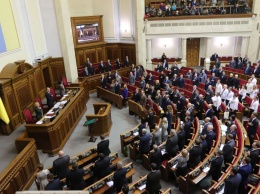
169 114
38 111
164 126
158 98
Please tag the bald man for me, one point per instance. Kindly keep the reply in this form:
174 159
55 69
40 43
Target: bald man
61 165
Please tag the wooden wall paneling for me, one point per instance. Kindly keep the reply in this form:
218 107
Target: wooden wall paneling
80 57
57 69
33 86
40 82
99 54
128 50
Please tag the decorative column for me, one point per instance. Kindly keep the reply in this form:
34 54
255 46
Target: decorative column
66 39
149 64
140 33
184 50
208 53
244 46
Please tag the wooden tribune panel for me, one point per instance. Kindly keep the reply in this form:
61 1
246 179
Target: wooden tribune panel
193 51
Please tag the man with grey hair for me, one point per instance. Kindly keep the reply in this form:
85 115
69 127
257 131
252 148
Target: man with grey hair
61 165
119 177
172 147
232 130
210 137
144 143
156 156
157 136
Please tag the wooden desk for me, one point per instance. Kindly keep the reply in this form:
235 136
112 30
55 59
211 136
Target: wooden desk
127 138
52 136
137 109
104 123
110 96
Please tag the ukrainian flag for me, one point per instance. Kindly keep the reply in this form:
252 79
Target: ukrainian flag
3 114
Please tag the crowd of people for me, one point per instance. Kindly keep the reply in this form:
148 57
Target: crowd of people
195 7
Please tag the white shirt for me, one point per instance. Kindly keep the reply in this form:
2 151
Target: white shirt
218 88
230 95
233 104
253 81
242 92
224 94
254 105
253 93
216 101
249 87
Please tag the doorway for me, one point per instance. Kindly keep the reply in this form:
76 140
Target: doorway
193 51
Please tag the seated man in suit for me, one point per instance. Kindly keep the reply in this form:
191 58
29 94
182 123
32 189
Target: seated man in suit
228 149
103 146
172 147
144 143
54 184
61 165
119 177
49 98
232 182
153 180
102 166
245 170
156 157
195 155
253 154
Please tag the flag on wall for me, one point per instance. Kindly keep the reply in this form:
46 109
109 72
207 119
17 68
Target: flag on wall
3 114
2 41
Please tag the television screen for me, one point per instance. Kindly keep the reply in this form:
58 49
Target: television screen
87 32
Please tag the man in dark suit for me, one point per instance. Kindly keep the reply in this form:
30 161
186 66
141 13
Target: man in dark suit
119 177
253 154
126 62
181 81
103 81
181 137
137 96
85 72
191 111
117 87
87 63
213 80
205 127
209 113
49 98
231 130
180 106
230 80
91 69
110 77
102 166
74 178
103 146
252 127
108 66
216 166
236 82
257 70
187 126
172 144
214 57
228 149
232 182
195 155
232 63
199 106
61 165
195 80
118 65
54 184
248 70
204 146
156 157
223 78
207 84
236 9
153 185
165 65
245 170
217 63
101 67
214 70
210 137
144 143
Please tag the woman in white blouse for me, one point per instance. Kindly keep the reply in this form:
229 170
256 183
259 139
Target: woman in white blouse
249 87
218 87
254 92
233 105
254 105
242 93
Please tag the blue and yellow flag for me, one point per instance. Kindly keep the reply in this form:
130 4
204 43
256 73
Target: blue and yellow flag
3 114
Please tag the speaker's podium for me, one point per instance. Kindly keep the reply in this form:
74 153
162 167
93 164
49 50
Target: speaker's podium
102 117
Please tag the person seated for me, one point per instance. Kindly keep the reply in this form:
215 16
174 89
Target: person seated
159 13
38 111
236 9
246 8
162 7
102 166
174 7
152 11
168 11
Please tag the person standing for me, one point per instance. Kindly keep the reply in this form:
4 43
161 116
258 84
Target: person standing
61 165
61 88
102 166
54 184
74 178
41 177
216 166
49 98
252 127
232 182
153 184
144 143
119 177
38 111
103 146
172 147
245 170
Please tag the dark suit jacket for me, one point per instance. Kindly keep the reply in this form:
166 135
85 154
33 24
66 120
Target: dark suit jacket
228 150
101 68
103 147
126 63
244 171
91 70
187 126
223 79
181 83
248 70
214 57
102 167
213 81
54 185
209 138
103 82
144 144
151 119
195 81
195 156
251 130
204 130
156 158
117 89
50 100
75 179
254 158
153 182
172 146
215 167
180 104
230 81
204 148
236 83
181 139
61 166
209 114
232 183
109 67
214 70
118 65
119 179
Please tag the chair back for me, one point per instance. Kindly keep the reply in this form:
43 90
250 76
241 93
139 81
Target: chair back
64 80
52 91
28 116
39 101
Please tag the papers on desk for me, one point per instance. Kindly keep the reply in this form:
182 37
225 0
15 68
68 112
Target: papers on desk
206 169
221 191
48 117
163 151
39 122
65 95
142 187
221 147
110 183
63 102
136 133
175 165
